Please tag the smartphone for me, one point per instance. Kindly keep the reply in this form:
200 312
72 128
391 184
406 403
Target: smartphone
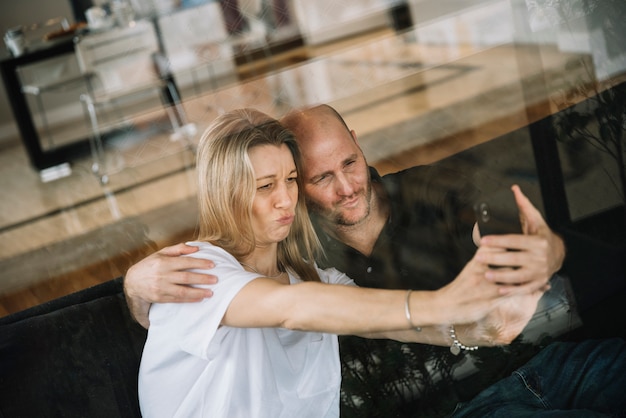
498 214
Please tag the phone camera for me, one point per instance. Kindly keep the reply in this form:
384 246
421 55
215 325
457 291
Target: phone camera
483 211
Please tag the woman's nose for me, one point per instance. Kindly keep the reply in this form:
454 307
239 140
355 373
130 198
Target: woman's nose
283 197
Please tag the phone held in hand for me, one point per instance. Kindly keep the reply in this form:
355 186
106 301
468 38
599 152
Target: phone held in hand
497 214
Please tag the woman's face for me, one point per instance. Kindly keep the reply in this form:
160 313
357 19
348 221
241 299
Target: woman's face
276 195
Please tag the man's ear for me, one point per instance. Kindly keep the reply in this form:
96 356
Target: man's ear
353 136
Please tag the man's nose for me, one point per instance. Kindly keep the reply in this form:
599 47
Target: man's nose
343 185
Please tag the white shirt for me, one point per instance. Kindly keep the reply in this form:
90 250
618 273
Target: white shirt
192 367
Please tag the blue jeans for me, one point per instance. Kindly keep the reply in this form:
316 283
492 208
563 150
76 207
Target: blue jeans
586 379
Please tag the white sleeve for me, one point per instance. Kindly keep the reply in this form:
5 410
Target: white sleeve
195 324
334 276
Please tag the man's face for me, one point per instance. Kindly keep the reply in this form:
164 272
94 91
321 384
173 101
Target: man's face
336 177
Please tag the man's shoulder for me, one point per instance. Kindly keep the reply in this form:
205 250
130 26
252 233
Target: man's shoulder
428 183
415 183
427 172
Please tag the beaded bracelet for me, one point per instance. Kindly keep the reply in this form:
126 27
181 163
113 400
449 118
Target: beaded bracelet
407 311
457 346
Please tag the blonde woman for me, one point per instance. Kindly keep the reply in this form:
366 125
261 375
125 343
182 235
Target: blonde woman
265 345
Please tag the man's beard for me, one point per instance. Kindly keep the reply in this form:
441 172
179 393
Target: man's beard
336 217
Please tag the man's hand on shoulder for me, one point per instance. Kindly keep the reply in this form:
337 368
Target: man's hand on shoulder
164 277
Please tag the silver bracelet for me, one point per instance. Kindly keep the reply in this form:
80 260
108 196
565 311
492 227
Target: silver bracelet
457 346
407 311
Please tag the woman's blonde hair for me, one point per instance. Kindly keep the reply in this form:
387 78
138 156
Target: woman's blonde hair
227 185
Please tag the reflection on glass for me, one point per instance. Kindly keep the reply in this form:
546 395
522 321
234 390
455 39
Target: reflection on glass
491 92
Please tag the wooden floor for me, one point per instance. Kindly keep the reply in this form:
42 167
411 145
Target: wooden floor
61 237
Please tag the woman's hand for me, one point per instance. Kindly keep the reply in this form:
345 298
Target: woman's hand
504 323
470 296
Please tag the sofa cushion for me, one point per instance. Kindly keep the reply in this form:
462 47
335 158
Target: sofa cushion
74 356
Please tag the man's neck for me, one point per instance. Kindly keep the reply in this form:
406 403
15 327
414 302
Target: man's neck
363 236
